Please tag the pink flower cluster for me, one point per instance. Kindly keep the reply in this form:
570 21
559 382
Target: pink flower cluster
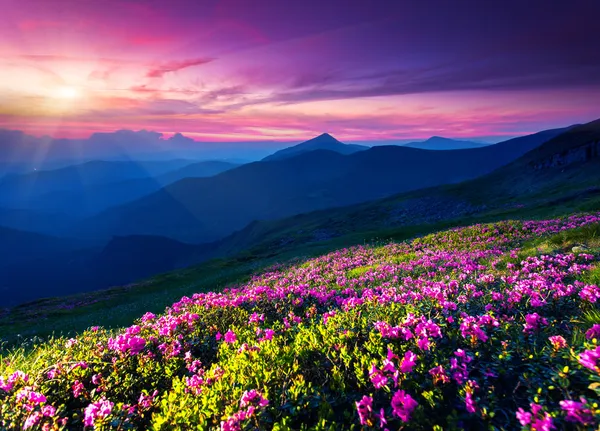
250 402
99 410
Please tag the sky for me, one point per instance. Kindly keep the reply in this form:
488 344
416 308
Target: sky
244 70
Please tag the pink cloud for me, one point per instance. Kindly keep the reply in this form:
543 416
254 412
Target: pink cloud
174 66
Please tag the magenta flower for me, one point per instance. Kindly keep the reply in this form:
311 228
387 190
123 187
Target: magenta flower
439 375
268 335
377 377
32 420
98 410
593 332
470 402
533 322
77 388
558 342
81 364
543 423
48 410
230 337
253 396
127 343
408 362
537 419
364 407
256 318
403 405
524 417
590 358
577 412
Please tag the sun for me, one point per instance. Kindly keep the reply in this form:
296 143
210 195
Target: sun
66 92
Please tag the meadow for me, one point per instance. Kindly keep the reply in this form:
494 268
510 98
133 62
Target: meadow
490 326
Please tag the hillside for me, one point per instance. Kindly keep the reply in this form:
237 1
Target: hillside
18 245
563 173
434 333
206 209
21 190
322 142
89 200
49 223
444 144
127 259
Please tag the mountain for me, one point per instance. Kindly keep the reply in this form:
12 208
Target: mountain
440 143
206 209
19 246
28 152
90 200
321 142
17 187
130 258
49 223
562 175
197 170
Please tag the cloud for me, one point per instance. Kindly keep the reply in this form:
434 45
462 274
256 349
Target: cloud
173 107
174 66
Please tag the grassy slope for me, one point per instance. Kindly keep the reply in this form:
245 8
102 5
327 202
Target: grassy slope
119 306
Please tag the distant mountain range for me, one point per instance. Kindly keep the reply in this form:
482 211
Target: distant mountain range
81 176
440 143
562 173
321 142
195 219
206 209
20 151
86 201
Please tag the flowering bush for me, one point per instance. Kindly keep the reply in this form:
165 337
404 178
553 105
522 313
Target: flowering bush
471 328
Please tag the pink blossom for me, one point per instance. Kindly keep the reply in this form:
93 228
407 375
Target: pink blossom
230 337
558 342
364 407
403 405
77 388
408 362
593 332
32 420
98 410
577 412
590 359
48 410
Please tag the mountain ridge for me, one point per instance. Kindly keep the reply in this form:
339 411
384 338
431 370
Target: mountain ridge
322 142
206 209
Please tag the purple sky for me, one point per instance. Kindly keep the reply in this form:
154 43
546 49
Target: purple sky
287 70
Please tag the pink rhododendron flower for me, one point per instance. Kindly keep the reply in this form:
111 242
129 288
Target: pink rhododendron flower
408 362
403 405
98 410
32 420
558 342
77 388
364 407
230 337
593 332
590 359
577 412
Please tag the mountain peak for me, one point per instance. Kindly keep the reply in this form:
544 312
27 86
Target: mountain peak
326 136
322 142
437 138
